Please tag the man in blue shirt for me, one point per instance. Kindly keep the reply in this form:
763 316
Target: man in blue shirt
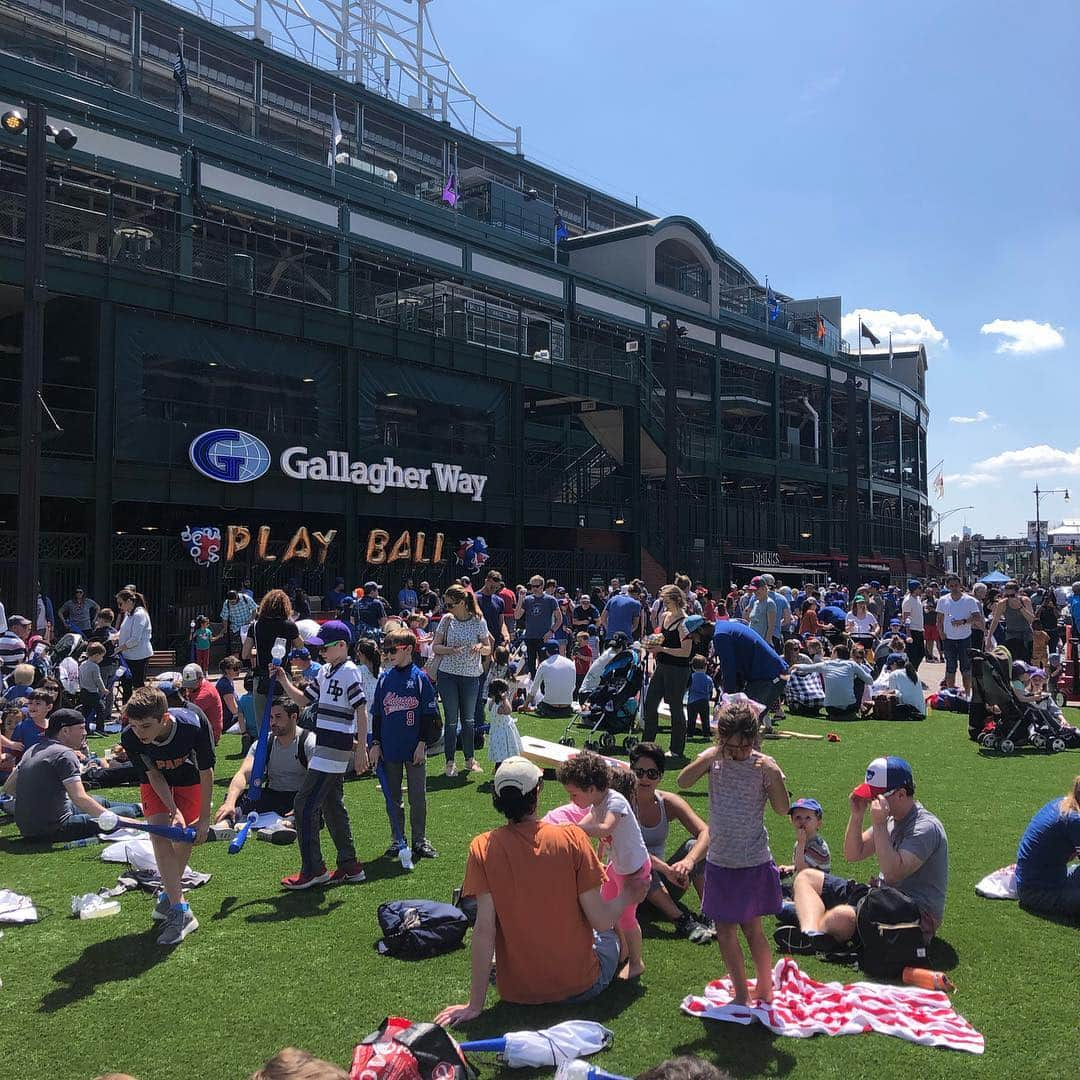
622 614
748 663
333 599
369 612
542 617
406 597
1074 606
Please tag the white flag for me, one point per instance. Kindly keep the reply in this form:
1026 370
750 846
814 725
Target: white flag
335 137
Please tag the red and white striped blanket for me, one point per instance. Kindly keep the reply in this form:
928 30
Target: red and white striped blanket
803 1007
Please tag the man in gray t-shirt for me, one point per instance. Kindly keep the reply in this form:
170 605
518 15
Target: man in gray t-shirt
912 851
50 800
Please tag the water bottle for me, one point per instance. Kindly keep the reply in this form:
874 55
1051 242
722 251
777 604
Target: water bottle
277 653
86 841
582 1070
405 857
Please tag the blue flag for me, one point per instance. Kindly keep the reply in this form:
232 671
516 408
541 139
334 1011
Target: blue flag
771 303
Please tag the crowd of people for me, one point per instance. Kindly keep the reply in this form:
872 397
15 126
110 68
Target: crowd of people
376 687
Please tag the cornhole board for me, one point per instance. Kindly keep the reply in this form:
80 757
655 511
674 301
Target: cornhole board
665 710
550 755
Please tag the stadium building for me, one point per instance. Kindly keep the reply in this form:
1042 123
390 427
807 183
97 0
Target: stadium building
261 366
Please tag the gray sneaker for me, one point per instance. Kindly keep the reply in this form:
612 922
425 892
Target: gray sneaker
161 908
178 925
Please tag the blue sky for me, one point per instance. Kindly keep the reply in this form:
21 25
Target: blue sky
921 160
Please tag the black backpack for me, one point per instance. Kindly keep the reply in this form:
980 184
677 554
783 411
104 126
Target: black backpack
890 933
419 929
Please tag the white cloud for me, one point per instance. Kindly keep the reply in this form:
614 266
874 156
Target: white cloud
978 418
1030 462
906 329
1024 335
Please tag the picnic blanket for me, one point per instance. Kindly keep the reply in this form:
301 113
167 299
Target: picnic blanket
1000 885
803 1007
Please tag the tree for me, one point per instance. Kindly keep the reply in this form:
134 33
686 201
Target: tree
1064 568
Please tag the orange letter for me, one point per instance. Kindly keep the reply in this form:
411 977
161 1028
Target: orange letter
299 546
437 557
324 543
238 538
418 556
264 539
377 540
401 549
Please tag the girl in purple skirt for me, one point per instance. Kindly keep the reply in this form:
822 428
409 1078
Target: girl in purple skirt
741 879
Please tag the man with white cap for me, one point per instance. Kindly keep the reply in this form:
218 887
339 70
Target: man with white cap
538 905
912 851
198 689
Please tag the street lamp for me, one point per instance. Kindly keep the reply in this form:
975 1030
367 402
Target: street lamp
941 517
1038 534
35 126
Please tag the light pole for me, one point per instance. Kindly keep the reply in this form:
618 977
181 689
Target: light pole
941 517
1038 534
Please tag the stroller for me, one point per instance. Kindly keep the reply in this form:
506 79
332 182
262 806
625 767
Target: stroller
999 722
613 707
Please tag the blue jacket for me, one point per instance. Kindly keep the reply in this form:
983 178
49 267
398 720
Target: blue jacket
403 711
744 656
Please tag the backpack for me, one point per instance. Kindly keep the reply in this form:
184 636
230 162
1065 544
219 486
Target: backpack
402 1050
949 699
419 929
890 933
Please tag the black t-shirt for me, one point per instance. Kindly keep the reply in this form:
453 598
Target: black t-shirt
264 632
180 757
584 614
427 602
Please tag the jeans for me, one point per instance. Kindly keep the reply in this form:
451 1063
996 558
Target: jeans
458 693
1062 901
92 706
606 948
320 799
416 778
668 683
77 826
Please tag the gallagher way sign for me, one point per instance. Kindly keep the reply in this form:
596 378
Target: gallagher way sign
235 457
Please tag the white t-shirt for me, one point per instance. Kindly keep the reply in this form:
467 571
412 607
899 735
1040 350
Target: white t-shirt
910 693
861 625
628 851
963 610
912 610
554 681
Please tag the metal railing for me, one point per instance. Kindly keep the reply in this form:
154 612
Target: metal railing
266 265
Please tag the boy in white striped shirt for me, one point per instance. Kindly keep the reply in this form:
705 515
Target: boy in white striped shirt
341 728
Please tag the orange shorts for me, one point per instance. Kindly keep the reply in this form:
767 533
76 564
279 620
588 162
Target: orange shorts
188 801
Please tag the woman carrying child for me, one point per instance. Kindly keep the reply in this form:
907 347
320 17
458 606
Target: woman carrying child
741 879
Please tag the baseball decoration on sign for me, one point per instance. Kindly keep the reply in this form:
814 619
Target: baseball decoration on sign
203 543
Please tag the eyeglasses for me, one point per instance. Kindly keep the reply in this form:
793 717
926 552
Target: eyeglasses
388 649
647 774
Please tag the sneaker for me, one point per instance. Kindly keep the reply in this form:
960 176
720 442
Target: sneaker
790 939
451 769
178 925
422 849
392 851
306 881
161 908
704 931
349 874
474 766
685 925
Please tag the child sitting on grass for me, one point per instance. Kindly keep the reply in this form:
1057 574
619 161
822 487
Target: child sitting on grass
741 880
811 850
587 780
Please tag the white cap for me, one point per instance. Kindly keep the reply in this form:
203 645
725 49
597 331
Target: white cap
519 772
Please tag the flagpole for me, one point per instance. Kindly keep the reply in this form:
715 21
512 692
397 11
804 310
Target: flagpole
179 85
333 136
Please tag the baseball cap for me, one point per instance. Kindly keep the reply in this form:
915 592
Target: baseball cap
19 620
192 676
517 772
331 632
896 658
371 585
859 598
63 718
806 804
875 584
914 583
894 622
693 622
884 774
756 581
1037 673
551 647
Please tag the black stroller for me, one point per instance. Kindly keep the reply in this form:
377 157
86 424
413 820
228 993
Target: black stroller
998 721
613 707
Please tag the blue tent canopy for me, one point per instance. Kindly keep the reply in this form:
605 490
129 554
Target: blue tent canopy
995 577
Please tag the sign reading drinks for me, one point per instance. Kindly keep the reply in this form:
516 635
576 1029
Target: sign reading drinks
765 558
235 457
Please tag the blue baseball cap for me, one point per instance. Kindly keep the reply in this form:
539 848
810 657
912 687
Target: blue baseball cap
884 775
896 658
330 632
693 622
806 804
914 583
550 647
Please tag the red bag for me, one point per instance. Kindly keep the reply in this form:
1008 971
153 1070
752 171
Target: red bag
402 1050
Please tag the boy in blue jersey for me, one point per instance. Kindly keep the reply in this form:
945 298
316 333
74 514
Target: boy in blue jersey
698 697
173 757
404 722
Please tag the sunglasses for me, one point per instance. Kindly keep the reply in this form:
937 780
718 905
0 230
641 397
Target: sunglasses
387 650
647 774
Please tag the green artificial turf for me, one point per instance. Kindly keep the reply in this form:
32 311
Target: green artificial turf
268 968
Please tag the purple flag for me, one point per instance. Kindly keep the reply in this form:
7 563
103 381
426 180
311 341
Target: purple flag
449 193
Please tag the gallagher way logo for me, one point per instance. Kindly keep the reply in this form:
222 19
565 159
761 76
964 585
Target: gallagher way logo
228 455
235 457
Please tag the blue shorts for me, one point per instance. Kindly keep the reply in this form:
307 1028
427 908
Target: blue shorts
836 891
957 652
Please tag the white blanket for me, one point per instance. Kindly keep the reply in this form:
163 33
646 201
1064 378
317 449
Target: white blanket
803 1007
1000 885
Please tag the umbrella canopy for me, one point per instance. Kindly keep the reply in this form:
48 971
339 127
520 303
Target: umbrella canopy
995 577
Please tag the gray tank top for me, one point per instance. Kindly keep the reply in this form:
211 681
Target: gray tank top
1016 626
655 836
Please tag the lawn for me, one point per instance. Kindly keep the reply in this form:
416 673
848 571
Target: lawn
269 968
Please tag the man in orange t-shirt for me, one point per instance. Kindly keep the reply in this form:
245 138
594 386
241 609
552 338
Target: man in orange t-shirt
537 890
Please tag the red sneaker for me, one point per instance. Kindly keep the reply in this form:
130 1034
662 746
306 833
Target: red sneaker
306 881
349 874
